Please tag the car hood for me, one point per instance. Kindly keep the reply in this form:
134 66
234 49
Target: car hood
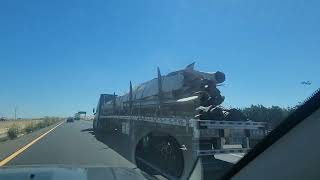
61 172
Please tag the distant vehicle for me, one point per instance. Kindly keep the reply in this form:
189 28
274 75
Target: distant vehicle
3 119
70 119
81 115
77 116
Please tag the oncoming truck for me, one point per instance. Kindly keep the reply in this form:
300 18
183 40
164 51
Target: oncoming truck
171 121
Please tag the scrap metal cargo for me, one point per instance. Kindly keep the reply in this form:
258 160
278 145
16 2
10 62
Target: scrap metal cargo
173 120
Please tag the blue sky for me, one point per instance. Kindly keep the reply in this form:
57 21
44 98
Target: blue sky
56 57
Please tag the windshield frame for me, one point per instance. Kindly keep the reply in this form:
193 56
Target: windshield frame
311 105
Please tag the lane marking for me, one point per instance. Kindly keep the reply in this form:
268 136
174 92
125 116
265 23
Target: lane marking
237 155
15 154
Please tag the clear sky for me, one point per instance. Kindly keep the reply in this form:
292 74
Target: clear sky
56 57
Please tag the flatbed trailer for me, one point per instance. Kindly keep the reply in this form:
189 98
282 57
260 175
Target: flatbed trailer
161 131
172 145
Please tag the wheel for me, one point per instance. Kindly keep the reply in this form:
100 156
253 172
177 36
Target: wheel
170 157
162 152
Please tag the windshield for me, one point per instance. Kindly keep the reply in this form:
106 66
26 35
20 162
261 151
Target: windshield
151 85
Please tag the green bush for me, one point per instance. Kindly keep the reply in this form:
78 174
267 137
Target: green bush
13 132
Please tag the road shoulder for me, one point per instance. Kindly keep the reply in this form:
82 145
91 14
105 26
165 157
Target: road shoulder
11 146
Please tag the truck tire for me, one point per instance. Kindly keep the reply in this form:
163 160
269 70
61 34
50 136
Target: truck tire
170 156
163 152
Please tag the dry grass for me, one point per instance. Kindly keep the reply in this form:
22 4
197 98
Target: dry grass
5 125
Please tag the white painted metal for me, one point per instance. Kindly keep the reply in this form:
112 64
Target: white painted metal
209 124
221 151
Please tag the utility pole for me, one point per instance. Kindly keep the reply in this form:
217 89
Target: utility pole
15 112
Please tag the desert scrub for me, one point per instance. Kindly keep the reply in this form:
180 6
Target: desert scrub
13 132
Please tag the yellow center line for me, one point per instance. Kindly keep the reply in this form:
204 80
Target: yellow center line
15 154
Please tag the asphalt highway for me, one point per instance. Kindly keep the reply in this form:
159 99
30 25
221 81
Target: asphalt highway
75 144
70 144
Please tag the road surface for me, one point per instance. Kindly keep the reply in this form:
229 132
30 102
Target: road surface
75 144
70 144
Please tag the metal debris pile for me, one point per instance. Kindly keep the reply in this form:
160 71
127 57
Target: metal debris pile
178 93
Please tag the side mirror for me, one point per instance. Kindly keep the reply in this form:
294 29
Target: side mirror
93 110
